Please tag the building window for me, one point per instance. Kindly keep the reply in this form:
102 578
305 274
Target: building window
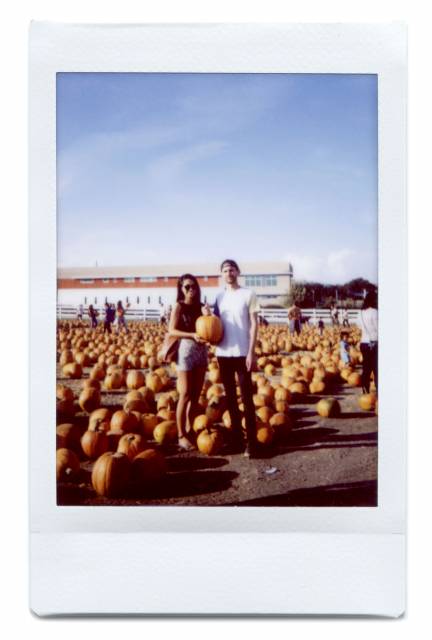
105 280
148 279
128 279
87 281
261 281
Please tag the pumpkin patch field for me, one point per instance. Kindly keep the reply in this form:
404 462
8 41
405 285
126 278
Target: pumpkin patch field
116 434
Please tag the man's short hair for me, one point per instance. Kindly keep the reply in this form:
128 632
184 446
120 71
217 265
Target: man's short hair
230 263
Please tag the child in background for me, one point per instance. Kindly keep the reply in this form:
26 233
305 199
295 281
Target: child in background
344 348
320 327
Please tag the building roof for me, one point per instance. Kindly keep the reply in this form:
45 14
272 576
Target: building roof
173 270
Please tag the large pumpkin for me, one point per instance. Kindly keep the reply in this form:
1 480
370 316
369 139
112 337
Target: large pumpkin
68 437
135 379
72 370
125 421
89 399
165 432
209 328
131 444
100 417
201 422
111 474
94 443
67 464
209 441
149 421
265 434
328 408
367 401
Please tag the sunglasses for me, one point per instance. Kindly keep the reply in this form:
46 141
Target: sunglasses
189 287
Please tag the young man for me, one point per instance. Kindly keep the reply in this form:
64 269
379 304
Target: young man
294 319
238 309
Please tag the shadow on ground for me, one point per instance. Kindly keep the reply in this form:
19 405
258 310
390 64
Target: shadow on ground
347 494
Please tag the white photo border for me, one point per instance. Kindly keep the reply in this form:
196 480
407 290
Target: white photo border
364 532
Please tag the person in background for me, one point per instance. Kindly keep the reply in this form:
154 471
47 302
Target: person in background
320 326
294 319
334 313
93 314
80 312
162 314
192 354
109 317
344 348
369 340
237 307
120 316
345 321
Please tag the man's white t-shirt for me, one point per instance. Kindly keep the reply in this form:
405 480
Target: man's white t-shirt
234 307
369 325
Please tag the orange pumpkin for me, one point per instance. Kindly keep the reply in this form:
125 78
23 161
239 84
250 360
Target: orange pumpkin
265 434
67 464
94 443
72 370
89 399
367 401
69 436
125 421
328 408
131 444
111 474
99 417
210 441
135 379
201 422
165 432
209 328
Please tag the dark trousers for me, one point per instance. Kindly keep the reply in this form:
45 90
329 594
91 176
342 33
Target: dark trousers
369 351
107 326
228 368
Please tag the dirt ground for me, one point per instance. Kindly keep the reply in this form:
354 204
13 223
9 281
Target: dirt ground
324 462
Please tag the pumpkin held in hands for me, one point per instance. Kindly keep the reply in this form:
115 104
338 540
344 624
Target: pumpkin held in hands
209 328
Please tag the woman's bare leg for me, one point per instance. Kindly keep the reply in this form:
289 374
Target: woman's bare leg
184 383
198 376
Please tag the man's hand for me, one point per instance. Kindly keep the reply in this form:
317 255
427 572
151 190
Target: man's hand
250 361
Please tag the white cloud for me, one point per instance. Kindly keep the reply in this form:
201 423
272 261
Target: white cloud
333 267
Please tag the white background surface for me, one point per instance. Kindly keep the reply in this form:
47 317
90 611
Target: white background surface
14 260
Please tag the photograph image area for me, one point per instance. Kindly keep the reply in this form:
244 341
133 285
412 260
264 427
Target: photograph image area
217 289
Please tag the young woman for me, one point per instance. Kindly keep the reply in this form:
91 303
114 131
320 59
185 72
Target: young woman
369 340
120 316
93 314
192 353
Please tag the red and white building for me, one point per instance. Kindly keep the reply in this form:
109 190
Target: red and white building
148 286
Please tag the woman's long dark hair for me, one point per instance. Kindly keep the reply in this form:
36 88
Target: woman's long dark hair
180 295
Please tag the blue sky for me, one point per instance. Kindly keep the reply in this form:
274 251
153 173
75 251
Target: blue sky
165 168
